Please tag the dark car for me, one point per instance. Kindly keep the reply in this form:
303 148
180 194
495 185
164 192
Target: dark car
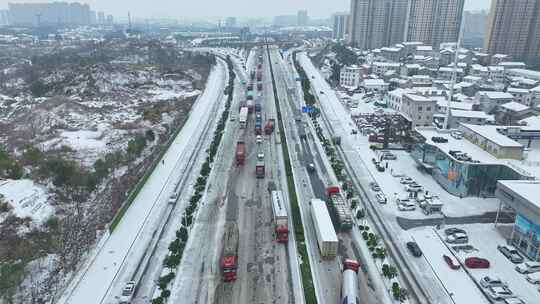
451 231
414 249
476 262
511 254
450 262
439 139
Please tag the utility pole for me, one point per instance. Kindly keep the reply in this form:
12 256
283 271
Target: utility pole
129 22
454 78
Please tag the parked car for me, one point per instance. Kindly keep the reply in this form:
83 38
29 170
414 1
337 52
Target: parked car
513 301
397 174
511 254
404 200
457 134
488 281
381 198
311 167
414 188
127 293
389 156
374 186
451 231
380 168
457 238
259 139
498 293
406 180
533 278
414 249
439 139
450 262
260 156
476 262
528 267
406 205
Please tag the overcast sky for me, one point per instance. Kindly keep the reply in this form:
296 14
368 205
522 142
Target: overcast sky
222 8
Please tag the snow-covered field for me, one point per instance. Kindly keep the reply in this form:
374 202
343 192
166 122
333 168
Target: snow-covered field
27 199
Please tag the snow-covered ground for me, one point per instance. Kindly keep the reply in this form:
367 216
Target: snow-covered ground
456 282
92 282
26 198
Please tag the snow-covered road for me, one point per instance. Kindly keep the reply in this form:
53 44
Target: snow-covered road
91 284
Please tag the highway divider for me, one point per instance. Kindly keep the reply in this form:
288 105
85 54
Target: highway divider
305 268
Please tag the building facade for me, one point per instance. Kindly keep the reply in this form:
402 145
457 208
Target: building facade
513 28
433 21
350 76
341 25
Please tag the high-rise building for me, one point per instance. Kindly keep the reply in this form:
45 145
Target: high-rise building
302 18
285 20
376 23
230 22
513 28
55 13
474 28
101 18
4 17
340 25
434 21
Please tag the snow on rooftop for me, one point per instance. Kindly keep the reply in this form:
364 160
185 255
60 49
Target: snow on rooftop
322 217
491 133
472 114
527 189
514 106
428 48
464 106
496 95
517 90
525 73
532 122
418 98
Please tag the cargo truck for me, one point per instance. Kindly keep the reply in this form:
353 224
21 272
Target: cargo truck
259 76
258 128
250 86
229 256
259 169
341 212
250 106
349 283
258 107
240 153
243 117
269 127
280 217
324 230
252 75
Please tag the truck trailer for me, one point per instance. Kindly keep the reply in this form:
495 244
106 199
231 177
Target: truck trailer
229 256
281 221
341 212
349 283
240 153
250 105
259 169
269 127
243 117
326 235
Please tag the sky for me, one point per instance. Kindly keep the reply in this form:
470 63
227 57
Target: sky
223 8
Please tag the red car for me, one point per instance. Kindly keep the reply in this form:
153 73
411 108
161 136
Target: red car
450 262
475 262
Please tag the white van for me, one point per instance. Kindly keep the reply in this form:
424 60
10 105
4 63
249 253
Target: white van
533 278
528 267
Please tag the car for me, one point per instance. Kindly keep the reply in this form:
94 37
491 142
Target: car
498 293
457 135
354 132
260 156
127 293
414 249
397 174
513 301
533 278
450 262
389 156
259 139
511 254
404 199
406 180
476 262
450 231
311 167
414 188
380 168
528 267
381 198
406 208
232 118
374 186
488 281
322 92
457 238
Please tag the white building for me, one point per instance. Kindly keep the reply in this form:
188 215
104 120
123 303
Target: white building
469 117
446 73
535 97
489 100
535 75
520 95
417 109
381 68
375 85
350 76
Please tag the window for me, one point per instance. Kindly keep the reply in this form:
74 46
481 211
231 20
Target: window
428 109
419 109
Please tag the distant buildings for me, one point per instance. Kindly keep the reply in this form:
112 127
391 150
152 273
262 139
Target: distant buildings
350 76
54 13
514 28
285 20
474 28
4 17
302 18
434 21
378 23
230 22
340 25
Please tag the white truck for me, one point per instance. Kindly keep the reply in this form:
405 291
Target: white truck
324 229
127 293
243 117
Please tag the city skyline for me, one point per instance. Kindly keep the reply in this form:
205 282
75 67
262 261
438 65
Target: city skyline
209 9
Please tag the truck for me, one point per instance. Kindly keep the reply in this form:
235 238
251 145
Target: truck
259 86
250 86
243 117
229 257
259 76
349 282
240 153
258 128
252 75
250 106
249 95
324 230
258 107
269 127
342 214
259 169
280 217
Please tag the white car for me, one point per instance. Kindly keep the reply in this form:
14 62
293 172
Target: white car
260 156
513 301
533 278
259 139
528 267
407 207
381 198
127 293
457 238
414 188
498 293
488 281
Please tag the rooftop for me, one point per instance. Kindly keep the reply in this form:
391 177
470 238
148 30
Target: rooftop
496 95
517 90
472 114
527 189
515 106
465 106
492 134
417 98
526 73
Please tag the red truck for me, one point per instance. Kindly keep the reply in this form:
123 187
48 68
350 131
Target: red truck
240 153
259 169
269 127
229 256
280 217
